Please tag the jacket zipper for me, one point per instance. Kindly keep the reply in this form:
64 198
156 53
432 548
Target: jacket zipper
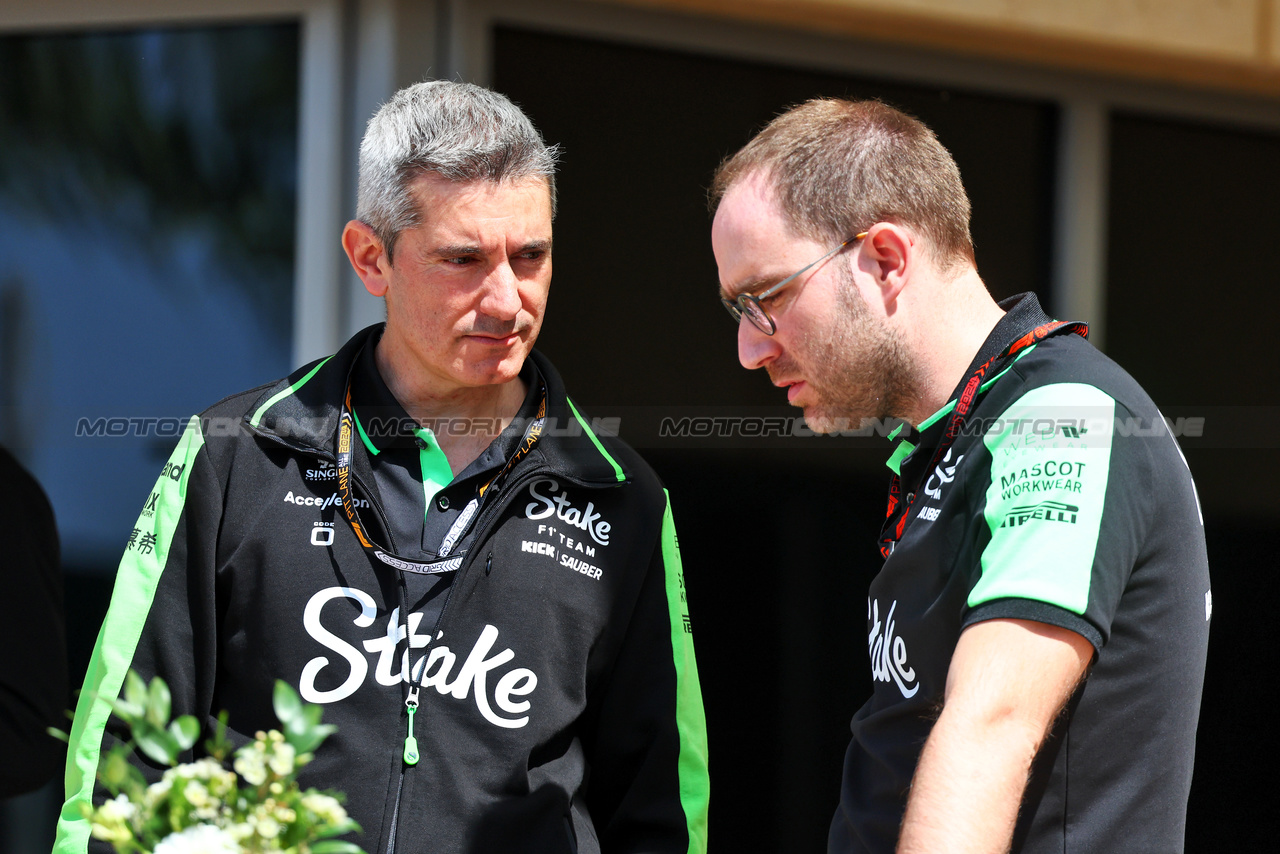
411 700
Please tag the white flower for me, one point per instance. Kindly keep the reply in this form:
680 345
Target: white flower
196 793
206 806
209 771
281 759
251 765
157 792
199 839
269 754
110 822
119 808
266 827
327 809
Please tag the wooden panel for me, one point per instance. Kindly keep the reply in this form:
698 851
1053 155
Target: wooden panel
1229 45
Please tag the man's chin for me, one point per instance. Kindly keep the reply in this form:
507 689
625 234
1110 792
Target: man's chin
821 420
495 368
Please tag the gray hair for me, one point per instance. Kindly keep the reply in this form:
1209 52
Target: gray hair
458 131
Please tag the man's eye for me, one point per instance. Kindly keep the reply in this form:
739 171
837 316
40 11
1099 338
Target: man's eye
460 261
533 255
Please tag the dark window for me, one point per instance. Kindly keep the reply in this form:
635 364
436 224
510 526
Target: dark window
1191 301
147 187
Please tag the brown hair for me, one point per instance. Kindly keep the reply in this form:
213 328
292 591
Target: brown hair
837 167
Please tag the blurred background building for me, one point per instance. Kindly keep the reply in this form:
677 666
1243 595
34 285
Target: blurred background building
174 178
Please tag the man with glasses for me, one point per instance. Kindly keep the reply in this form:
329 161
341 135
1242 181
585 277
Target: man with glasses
425 536
1038 629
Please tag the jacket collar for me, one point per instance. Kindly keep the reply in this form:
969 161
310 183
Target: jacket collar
302 410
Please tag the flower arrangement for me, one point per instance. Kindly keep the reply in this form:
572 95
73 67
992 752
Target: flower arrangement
201 807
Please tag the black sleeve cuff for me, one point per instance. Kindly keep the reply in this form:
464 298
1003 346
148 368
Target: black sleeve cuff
1036 611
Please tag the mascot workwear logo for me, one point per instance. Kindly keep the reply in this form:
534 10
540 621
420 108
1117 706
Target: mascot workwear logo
888 651
434 669
556 501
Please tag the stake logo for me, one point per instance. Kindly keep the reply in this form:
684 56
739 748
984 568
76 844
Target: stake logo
556 502
433 669
888 651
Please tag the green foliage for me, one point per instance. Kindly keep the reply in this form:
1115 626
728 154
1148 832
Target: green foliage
257 808
302 727
145 708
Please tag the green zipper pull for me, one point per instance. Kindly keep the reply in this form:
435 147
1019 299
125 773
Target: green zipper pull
411 743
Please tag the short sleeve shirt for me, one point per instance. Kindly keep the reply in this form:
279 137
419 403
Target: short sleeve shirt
1065 500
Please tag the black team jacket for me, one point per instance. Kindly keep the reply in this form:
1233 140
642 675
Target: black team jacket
561 709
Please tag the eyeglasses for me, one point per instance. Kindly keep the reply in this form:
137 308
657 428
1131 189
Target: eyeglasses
748 305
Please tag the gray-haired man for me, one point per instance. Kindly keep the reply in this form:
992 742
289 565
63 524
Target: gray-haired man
424 534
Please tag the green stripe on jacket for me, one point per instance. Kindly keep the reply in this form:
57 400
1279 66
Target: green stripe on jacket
136 581
691 721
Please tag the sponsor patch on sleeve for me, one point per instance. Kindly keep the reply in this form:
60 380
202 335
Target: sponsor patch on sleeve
1050 460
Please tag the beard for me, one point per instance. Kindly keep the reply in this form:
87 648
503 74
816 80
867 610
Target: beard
856 366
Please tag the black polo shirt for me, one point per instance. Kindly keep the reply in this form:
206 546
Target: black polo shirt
417 490
1064 500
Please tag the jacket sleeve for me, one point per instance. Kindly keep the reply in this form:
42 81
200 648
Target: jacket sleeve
648 787
160 622
33 683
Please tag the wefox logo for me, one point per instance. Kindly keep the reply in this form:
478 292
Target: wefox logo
434 669
557 502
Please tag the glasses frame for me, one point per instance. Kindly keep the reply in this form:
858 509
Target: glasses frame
742 304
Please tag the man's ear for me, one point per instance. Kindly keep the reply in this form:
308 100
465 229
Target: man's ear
893 252
367 256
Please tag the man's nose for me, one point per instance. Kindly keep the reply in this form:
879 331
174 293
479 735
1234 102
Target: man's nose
755 349
501 292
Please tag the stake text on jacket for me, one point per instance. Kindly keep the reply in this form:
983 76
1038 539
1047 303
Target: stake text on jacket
439 673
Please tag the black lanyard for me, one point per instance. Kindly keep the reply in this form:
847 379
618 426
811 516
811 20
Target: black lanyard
899 507
445 563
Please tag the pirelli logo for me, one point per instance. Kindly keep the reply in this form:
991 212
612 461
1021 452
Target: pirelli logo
1045 511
